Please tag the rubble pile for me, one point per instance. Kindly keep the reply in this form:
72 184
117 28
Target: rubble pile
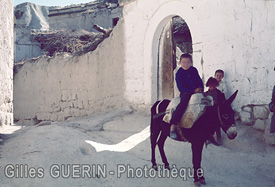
77 42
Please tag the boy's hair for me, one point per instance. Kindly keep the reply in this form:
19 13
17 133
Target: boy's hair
212 81
186 55
219 71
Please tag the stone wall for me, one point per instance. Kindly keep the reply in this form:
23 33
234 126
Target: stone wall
6 64
241 45
67 86
259 118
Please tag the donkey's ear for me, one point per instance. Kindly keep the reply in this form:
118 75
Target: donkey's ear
232 97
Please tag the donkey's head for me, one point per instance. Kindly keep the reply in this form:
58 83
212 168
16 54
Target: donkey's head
227 117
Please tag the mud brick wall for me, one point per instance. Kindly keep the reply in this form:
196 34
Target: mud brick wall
6 62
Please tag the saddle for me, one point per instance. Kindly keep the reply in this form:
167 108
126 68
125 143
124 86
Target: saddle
195 109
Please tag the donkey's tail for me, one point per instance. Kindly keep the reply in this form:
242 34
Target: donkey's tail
157 113
153 119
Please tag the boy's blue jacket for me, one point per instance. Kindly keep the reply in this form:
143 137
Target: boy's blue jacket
188 80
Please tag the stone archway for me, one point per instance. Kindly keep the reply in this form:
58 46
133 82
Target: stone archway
166 63
174 40
157 22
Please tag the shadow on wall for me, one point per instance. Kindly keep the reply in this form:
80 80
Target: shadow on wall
65 85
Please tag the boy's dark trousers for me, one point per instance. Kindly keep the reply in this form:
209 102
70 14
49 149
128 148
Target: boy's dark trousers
177 114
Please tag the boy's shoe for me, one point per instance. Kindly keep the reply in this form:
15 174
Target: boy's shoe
173 135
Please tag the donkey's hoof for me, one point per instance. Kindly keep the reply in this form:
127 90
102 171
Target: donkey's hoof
202 181
155 167
167 167
197 183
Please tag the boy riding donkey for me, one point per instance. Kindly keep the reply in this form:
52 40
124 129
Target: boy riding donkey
188 82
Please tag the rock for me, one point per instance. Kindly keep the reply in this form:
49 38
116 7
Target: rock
43 123
246 118
259 125
237 116
260 112
247 109
43 116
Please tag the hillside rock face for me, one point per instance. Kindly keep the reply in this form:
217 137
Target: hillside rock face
29 17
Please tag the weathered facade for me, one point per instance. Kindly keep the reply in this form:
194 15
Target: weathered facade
236 36
63 86
6 64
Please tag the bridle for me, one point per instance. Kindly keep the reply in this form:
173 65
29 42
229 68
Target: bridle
219 115
220 118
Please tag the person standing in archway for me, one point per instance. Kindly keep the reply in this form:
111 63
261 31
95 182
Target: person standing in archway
272 109
219 75
188 82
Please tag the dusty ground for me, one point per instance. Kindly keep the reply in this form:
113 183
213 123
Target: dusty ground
241 162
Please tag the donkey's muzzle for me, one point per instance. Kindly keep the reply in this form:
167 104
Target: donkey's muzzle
232 132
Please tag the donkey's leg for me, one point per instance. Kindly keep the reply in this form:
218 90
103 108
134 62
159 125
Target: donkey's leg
158 107
155 131
154 137
197 154
161 142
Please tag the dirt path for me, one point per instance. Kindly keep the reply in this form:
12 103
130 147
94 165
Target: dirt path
46 147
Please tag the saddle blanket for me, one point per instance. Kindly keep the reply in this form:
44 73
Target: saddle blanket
195 109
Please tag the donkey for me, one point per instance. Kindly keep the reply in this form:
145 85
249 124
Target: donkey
204 128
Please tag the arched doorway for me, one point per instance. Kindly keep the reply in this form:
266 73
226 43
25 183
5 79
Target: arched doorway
175 40
157 23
